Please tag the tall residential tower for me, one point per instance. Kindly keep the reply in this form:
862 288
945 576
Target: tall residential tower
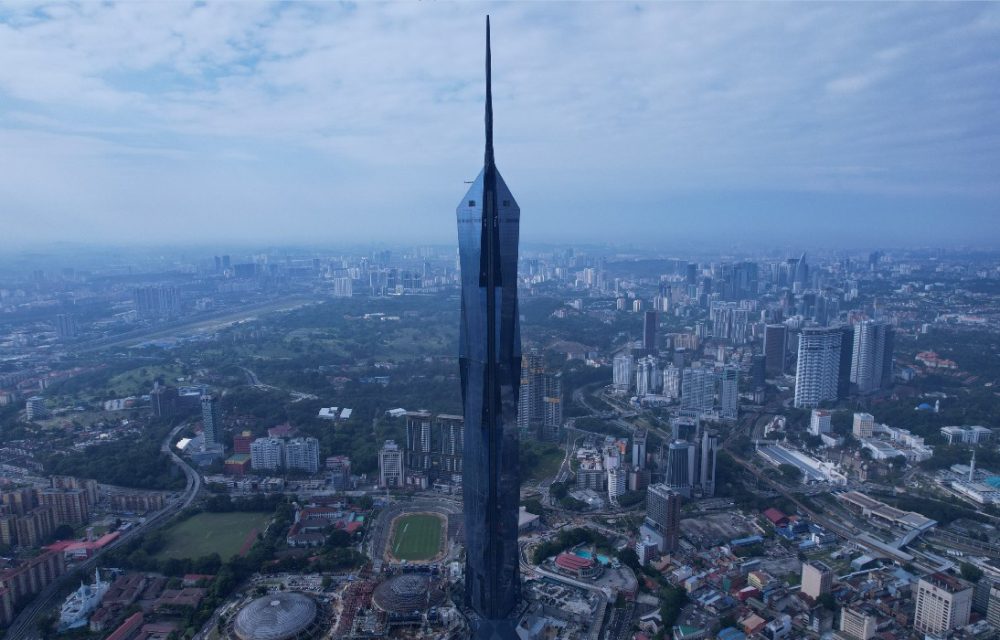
490 364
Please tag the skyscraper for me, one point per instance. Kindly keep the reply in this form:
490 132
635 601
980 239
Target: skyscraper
871 355
729 396
818 366
943 603
490 366
697 389
623 373
775 343
663 511
390 465
210 419
649 332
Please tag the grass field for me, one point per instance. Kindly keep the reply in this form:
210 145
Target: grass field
207 533
416 537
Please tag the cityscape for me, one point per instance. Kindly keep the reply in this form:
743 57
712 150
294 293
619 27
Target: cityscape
498 434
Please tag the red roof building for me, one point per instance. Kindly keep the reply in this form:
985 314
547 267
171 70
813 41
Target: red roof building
776 517
128 629
577 566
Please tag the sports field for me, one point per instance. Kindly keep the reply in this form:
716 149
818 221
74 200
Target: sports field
416 537
208 533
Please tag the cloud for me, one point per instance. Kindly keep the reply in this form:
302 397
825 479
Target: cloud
375 109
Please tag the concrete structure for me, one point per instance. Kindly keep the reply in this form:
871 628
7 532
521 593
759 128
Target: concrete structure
35 408
663 513
864 425
211 420
775 346
813 470
966 435
697 389
302 454
817 579
856 624
871 359
819 422
818 367
390 465
623 373
943 603
267 454
729 392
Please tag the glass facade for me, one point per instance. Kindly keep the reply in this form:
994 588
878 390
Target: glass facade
490 363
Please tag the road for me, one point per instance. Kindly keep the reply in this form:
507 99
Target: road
25 625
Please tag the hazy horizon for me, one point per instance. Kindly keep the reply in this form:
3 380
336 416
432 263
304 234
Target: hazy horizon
721 125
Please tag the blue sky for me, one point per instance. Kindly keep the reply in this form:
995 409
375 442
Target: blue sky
736 125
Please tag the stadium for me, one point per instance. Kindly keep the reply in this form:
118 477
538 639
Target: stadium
416 532
278 616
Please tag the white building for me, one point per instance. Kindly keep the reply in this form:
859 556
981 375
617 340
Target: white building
267 454
698 389
343 287
35 408
868 360
648 379
819 422
617 482
966 435
672 382
624 371
943 603
857 624
390 465
864 425
818 366
302 454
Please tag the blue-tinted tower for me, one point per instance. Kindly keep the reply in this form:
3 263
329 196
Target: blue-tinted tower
490 363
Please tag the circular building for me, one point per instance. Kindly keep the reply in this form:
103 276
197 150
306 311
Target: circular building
278 616
407 593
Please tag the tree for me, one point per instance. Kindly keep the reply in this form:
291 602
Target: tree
971 572
828 601
63 532
790 472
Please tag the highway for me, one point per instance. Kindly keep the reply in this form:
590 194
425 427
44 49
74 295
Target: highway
25 625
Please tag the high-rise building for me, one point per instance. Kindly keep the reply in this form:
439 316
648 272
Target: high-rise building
943 603
648 379
864 425
35 408
858 624
758 370
623 372
157 302
775 345
302 454
846 353
267 454
681 467
663 513
390 465
729 392
871 360
818 366
672 382
697 389
434 444
70 505
993 606
817 579
65 326
419 441
617 482
340 472
211 419
649 326
707 457
819 422
490 363
552 407
639 449
451 439
530 409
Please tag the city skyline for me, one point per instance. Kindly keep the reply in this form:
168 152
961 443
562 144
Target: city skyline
151 123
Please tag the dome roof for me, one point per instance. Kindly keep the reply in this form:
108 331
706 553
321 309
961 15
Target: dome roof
278 616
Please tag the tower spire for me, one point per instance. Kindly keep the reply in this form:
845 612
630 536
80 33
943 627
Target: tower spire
489 162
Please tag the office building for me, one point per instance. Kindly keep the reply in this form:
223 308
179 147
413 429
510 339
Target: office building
638 449
758 370
817 579
993 605
617 482
35 408
672 382
301 454
623 374
846 354
663 513
681 467
819 422
697 389
490 361
267 454
340 472
649 326
729 392
390 465
857 624
871 361
864 426
211 420
818 367
775 346
708 452
943 603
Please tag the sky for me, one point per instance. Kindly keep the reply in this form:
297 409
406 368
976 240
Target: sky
673 125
